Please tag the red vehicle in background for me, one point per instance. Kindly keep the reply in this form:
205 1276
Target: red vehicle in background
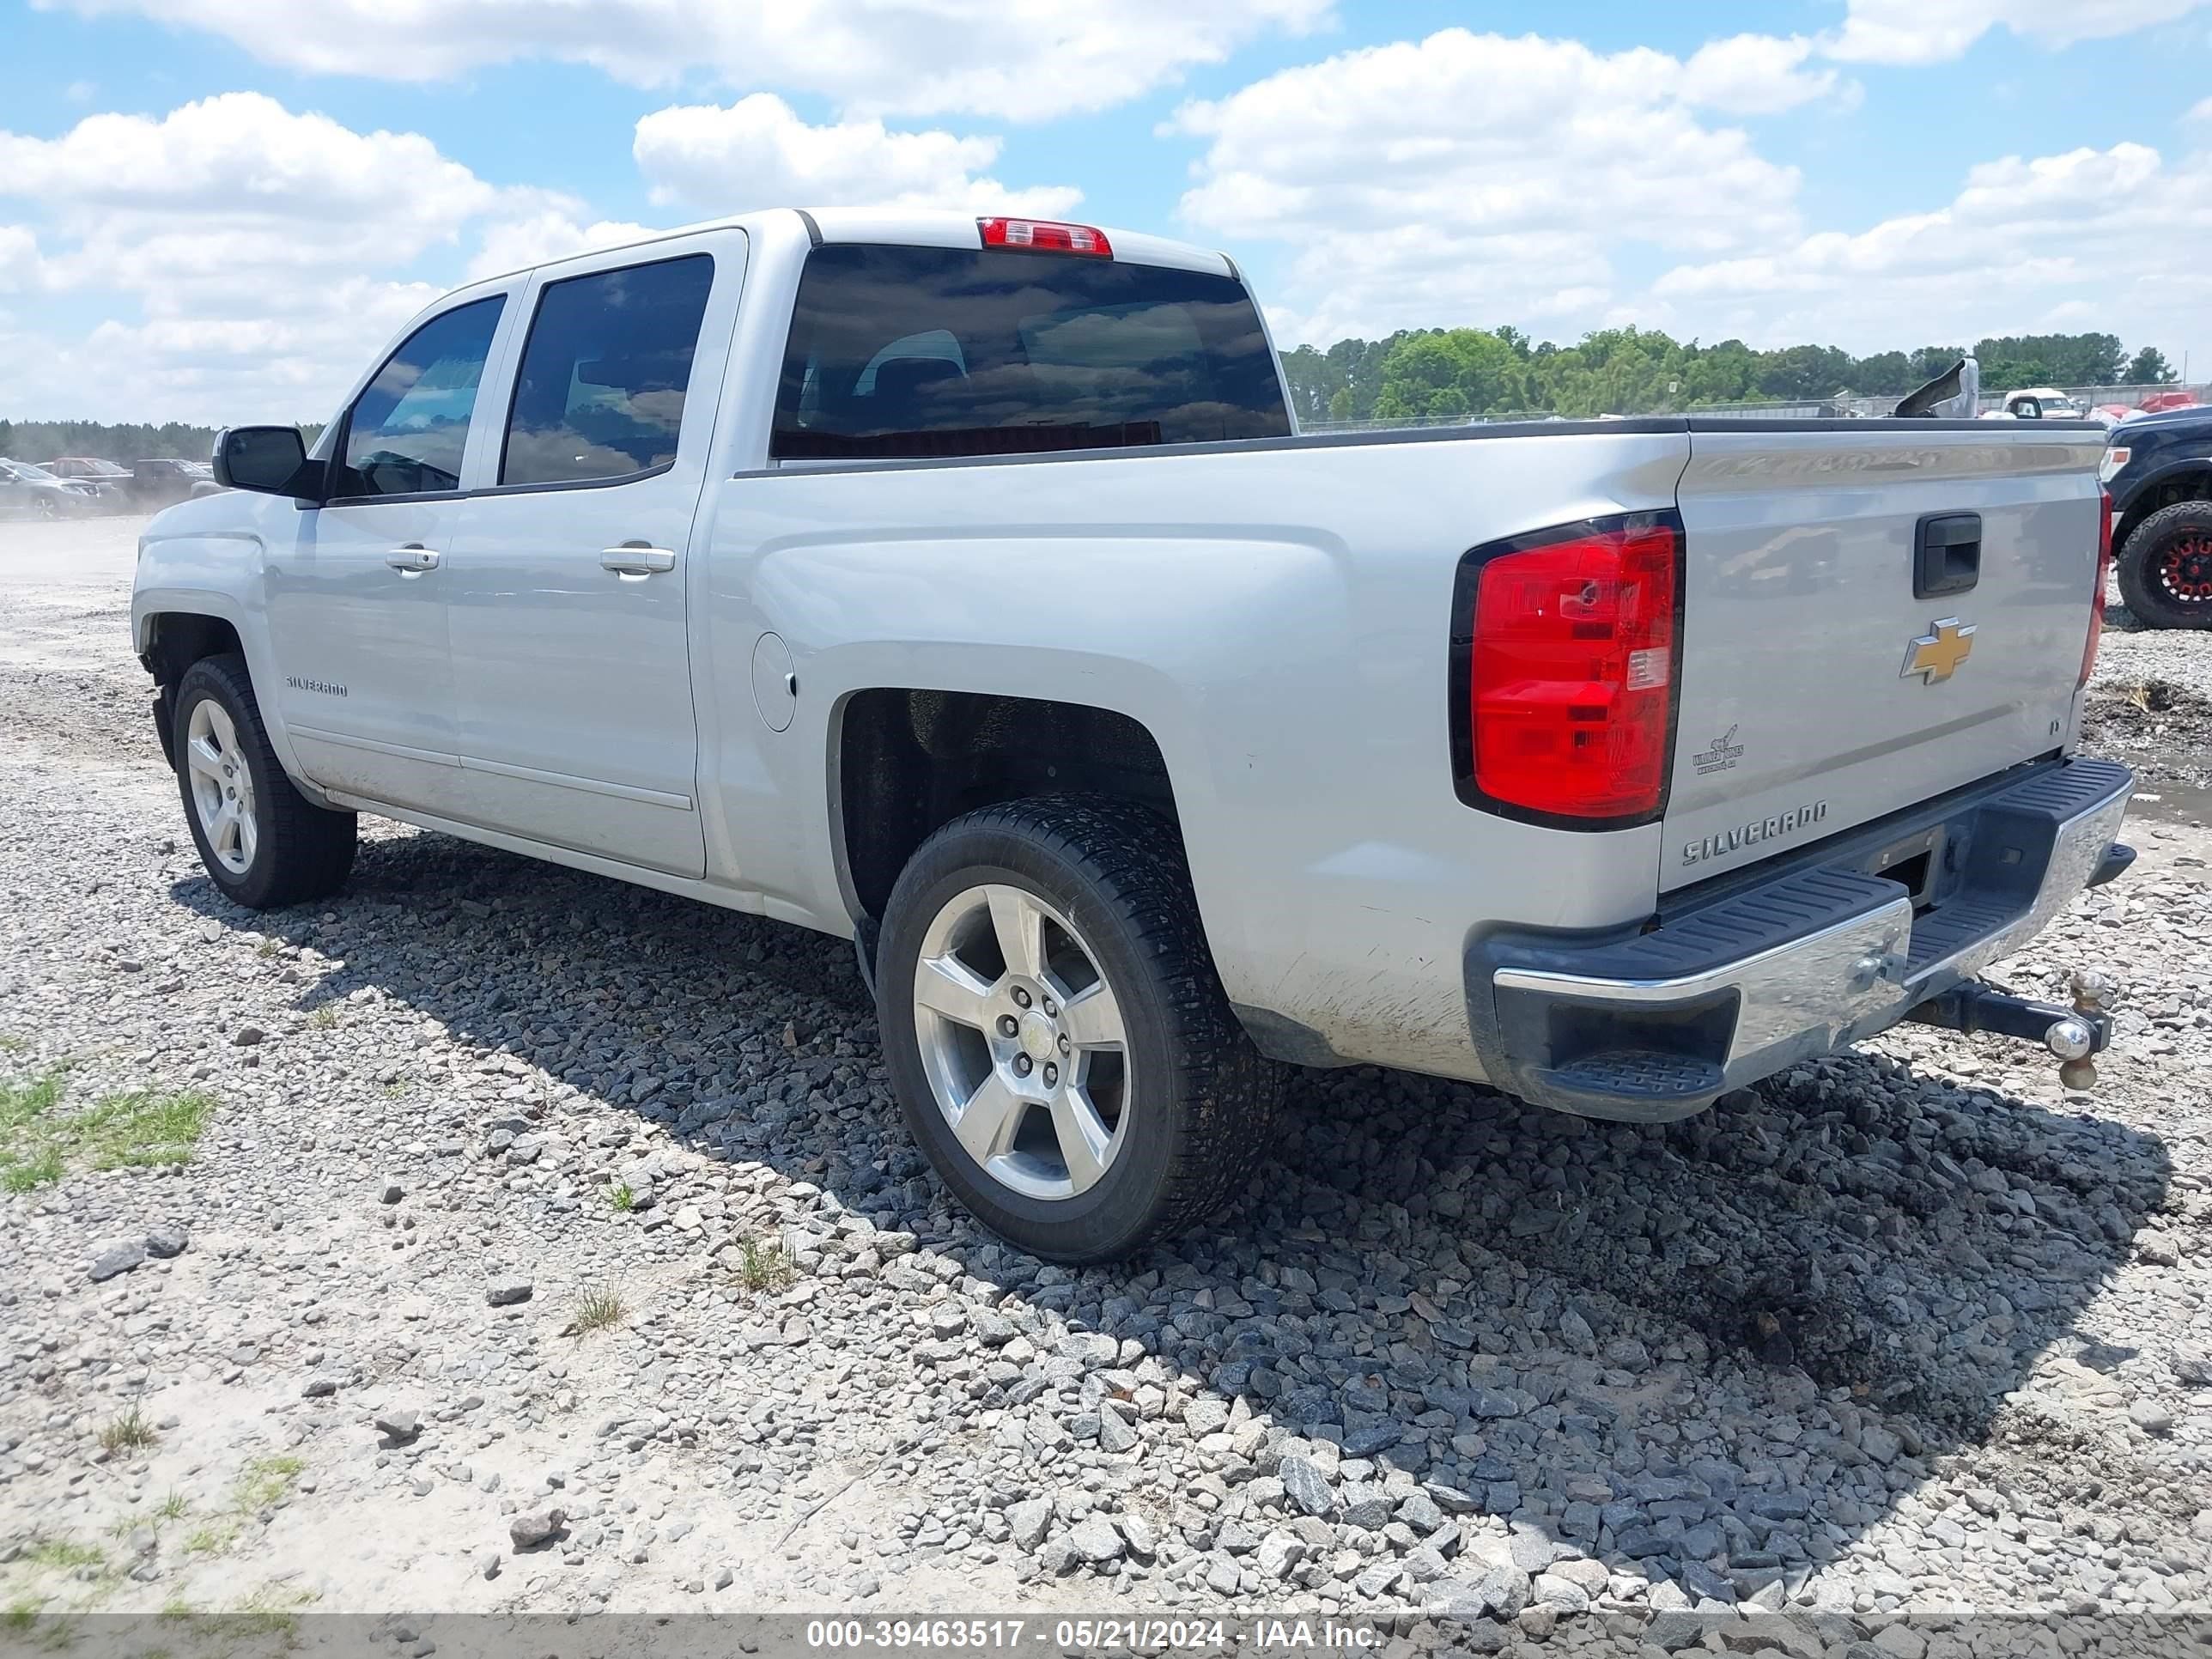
2163 400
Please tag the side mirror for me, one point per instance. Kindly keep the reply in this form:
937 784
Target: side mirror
272 459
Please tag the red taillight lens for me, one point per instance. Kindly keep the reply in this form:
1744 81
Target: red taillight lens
1571 680
1045 236
2097 598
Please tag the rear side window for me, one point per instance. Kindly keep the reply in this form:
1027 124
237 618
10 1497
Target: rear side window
911 352
405 434
600 391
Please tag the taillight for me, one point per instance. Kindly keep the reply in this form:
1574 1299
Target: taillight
1569 639
2097 598
1045 236
2117 456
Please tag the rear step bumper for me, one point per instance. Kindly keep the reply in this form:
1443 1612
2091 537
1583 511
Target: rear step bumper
1656 1025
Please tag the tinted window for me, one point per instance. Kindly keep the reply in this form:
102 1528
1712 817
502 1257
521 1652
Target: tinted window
601 391
912 351
405 434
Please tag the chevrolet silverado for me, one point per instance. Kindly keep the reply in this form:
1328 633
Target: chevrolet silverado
961 586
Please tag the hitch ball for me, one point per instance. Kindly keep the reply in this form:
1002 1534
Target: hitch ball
2069 1039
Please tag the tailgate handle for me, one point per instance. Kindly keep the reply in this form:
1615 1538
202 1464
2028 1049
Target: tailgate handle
1946 554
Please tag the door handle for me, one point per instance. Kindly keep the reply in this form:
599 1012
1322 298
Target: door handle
636 559
413 558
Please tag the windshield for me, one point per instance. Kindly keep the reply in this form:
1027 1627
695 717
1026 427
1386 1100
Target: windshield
2061 406
27 469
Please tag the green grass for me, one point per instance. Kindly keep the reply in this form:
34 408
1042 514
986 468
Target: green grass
40 1168
263 1484
266 1480
64 1555
324 1017
270 1611
212 1540
599 1310
127 1433
622 1197
137 1129
174 1507
12 1044
763 1267
22 1614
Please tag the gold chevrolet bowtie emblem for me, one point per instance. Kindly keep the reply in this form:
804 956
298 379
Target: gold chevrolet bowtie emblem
1936 654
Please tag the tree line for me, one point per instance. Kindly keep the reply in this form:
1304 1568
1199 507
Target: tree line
122 442
1443 372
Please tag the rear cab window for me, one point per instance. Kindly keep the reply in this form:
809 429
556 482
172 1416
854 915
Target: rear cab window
599 396
910 353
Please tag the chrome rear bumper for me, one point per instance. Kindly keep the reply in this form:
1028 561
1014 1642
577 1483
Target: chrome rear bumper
1656 1025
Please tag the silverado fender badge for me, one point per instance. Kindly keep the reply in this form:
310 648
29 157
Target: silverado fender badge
1937 655
1706 847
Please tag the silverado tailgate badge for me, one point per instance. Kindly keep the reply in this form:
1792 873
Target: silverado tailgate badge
1936 654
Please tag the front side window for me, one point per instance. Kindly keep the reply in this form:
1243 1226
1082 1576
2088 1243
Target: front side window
405 434
907 352
600 392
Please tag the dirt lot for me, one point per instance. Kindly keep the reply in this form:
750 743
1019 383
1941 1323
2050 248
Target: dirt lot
500 1239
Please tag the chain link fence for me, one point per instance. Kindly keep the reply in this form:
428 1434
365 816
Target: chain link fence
2091 397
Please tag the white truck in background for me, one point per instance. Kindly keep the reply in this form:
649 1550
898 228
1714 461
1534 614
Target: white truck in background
960 586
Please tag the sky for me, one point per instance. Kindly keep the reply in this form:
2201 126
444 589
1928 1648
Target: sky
220 211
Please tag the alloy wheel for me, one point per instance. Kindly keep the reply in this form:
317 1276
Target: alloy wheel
1023 1041
222 786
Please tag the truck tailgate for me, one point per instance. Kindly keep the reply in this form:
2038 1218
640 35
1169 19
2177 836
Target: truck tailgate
1818 689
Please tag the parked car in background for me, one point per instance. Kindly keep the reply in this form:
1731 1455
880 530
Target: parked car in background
32 491
2158 402
2158 470
110 483
2047 403
163 482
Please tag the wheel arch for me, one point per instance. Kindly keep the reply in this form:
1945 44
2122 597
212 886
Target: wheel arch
906 760
171 628
2184 479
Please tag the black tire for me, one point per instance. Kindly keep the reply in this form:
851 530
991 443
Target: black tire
1202 1098
303 852
2166 567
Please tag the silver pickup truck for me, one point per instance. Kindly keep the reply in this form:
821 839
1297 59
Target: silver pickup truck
961 586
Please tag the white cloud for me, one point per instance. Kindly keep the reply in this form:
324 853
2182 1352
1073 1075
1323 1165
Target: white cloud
20 266
757 153
512 244
1756 75
2112 239
240 173
265 254
1013 59
1936 30
1473 177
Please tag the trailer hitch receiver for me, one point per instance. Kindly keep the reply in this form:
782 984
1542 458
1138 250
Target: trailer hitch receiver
2075 1034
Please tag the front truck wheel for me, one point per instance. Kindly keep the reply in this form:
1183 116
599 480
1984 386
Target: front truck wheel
261 841
1059 1041
2166 567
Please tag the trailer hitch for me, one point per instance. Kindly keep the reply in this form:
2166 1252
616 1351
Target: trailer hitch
2074 1035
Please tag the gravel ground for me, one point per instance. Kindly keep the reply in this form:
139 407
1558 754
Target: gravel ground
543 1243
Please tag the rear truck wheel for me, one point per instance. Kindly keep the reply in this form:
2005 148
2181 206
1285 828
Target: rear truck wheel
2166 567
1062 1050
261 842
